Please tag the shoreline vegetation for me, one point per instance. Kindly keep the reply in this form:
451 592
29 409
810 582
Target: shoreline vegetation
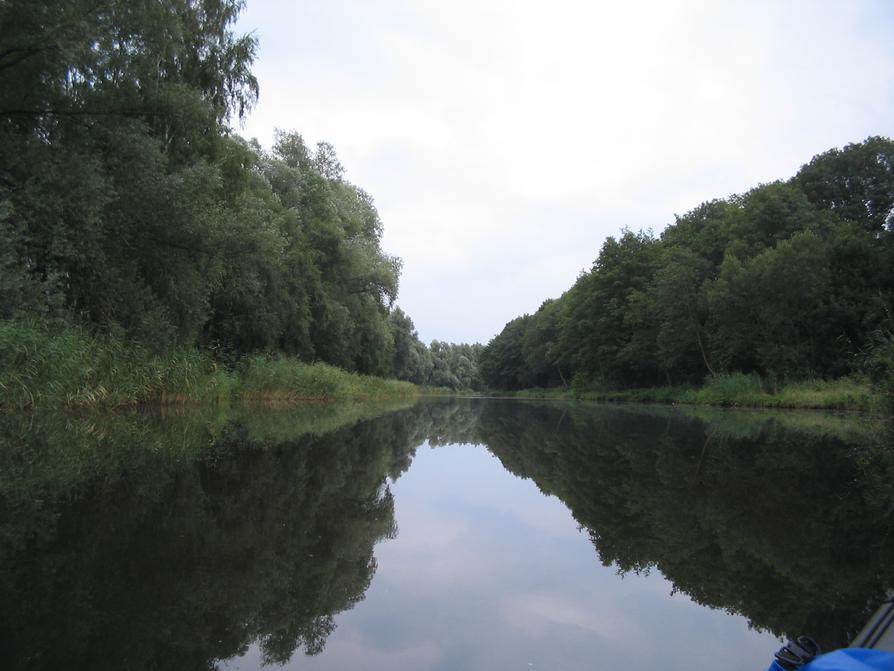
57 363
781 296
736 390
131 208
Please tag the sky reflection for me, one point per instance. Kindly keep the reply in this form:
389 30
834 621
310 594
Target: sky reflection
488 573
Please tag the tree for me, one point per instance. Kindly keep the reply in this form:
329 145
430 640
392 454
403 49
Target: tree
765 310
789 278
856 182
596 329
540 346
679 301
706 231
502 364
770 213
112 122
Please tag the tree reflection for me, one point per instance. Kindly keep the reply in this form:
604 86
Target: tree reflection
178 564
788 525
176 542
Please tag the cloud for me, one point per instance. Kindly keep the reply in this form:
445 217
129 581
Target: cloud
503 141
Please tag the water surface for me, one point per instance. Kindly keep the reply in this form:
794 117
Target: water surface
448 535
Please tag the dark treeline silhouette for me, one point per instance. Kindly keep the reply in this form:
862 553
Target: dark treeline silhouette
789 527
128 203
790 280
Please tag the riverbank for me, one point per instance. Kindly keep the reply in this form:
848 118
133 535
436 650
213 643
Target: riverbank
737 390
57 363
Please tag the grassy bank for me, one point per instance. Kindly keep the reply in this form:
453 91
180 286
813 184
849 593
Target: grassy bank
60 364
738 390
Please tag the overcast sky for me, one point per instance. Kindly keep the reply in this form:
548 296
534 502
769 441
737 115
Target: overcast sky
504 141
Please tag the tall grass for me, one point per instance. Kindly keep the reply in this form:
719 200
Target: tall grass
53 362
737 390
281 378
57 362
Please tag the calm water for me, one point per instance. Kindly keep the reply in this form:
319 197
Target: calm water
449 535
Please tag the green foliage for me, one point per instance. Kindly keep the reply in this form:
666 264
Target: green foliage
743 390
857 182
279 378
879 363
128 204
602 323
112 122
55 363
769 214
579 384
789 281
412 360
540 346
503 364
455 366
440 366
766 309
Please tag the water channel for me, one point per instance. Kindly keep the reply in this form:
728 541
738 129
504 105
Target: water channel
447 534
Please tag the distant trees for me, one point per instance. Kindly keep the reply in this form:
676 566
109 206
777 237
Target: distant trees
440 364
791 279
455 366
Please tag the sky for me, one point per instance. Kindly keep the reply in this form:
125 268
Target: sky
504 141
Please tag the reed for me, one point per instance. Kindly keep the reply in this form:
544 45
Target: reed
57 363
280 378
736 390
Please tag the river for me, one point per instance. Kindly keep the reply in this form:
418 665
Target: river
449 534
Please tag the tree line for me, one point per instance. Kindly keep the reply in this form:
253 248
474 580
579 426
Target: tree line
128 202
790 280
